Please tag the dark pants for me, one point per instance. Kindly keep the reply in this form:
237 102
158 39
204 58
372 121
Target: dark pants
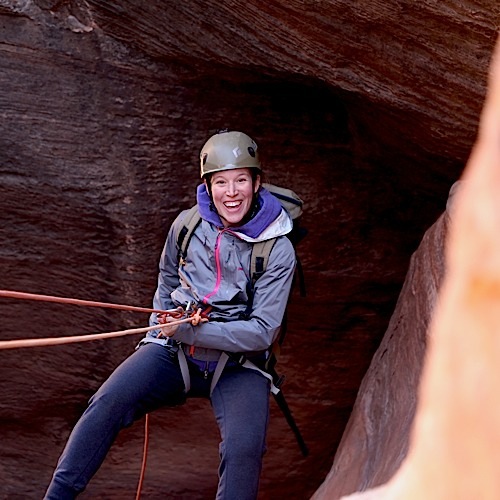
151 378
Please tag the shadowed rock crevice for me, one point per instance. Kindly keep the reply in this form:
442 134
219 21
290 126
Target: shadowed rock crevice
376 439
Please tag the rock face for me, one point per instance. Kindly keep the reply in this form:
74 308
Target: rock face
454 441
377 436
367 111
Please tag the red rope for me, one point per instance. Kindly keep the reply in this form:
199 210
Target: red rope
11 344
14 344
144 457
79 302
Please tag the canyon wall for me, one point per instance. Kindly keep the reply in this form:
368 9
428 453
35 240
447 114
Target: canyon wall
368 111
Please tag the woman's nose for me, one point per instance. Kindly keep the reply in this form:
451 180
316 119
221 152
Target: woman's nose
231 188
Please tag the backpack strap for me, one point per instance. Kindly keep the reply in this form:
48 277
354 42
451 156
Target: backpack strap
260 258
191 222
260 251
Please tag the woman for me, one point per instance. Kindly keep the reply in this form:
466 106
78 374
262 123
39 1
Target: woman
184 360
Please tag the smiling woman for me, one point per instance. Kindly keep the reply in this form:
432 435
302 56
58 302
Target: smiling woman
223 359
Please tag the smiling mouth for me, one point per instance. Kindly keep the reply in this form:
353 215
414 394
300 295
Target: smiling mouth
232 204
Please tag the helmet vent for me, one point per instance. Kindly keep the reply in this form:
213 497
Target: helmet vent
251 151
204 158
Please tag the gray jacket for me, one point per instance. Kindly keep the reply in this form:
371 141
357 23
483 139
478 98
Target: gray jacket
216 273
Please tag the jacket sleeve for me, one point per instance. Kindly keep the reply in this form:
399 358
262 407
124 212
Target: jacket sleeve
261 328
168 278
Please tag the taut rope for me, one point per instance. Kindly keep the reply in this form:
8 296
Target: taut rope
195 318
13 344
79 302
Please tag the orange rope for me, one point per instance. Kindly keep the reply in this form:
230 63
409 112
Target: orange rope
13 344
79 302
144 457
195 319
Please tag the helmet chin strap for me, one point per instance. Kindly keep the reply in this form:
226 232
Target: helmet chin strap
208 187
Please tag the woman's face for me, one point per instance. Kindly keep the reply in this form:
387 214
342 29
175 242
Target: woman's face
232 194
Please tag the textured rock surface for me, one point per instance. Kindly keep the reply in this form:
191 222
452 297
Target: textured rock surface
376 438
455 439
368 112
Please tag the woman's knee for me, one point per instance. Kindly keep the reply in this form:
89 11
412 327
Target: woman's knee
245 447
104 406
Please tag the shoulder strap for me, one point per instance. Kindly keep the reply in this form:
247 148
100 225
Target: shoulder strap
260 250
190 223
259 258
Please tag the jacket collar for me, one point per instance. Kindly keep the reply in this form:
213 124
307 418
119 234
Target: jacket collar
269 221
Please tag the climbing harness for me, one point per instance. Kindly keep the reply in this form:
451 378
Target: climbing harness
259 259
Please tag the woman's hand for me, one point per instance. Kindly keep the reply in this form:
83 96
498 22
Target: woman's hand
165 319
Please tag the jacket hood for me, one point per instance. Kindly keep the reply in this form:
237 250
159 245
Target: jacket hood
269 221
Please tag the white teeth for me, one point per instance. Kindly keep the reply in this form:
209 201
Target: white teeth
232 204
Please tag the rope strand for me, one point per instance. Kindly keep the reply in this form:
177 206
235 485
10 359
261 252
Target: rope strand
144 457
79 302
194 319
13 344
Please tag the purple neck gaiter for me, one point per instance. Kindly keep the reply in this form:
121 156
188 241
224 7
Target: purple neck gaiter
268 208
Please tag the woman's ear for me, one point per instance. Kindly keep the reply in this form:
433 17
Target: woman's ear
257 184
